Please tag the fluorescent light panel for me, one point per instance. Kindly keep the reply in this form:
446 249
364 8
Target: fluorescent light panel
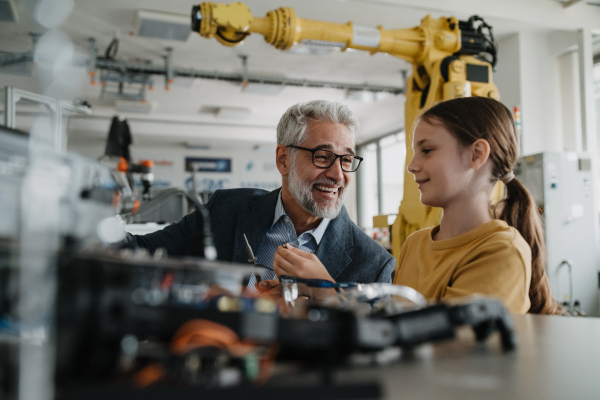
159 25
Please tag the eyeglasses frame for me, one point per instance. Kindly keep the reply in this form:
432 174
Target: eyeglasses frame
313 151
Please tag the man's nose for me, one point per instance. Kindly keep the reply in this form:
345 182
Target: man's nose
335 171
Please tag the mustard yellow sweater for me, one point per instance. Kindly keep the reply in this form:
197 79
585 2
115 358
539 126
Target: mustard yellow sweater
493 260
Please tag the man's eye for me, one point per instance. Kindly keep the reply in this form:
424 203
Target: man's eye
426 151
320 157
347 160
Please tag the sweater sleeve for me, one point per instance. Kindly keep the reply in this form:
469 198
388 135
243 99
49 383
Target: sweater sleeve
499 269
400 260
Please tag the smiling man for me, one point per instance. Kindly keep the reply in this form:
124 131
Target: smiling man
316 158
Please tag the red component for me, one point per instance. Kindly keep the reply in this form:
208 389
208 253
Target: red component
136 205
147 163
122 165
167 281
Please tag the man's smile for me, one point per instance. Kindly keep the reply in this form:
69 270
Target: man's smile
326 188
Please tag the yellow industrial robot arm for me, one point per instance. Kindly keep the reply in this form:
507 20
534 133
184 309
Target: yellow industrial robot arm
231 23
433 40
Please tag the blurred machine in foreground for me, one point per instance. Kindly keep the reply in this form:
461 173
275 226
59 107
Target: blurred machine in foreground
561 184
53 204
130 324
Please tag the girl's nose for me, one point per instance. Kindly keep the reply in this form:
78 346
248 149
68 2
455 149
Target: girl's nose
412 166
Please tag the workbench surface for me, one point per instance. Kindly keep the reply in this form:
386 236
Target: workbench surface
556 358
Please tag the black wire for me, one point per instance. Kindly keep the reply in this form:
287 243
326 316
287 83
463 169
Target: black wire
492 44
207 233
195 199
112 49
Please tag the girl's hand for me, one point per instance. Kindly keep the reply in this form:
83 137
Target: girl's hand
295 262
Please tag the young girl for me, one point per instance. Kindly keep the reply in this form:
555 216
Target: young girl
462 147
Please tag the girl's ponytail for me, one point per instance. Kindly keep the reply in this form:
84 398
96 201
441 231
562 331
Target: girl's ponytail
520 211
473 118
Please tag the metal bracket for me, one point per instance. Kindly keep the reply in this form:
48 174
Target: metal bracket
244 70
169 67
56 107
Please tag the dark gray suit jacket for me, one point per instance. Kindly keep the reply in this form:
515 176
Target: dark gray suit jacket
345 250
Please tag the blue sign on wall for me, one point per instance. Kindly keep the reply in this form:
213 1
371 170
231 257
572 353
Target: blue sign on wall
208 164
208 184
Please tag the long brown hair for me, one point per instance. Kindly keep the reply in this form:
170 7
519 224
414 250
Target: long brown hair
472 118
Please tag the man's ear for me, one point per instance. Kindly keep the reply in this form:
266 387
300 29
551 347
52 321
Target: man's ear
283 160
480 153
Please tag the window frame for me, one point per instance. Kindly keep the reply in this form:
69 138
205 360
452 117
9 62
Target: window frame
359 177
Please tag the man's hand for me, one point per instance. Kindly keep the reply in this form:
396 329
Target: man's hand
270 288
295 262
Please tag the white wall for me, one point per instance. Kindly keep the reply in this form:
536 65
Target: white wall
539 112
570 116
538 71
507 76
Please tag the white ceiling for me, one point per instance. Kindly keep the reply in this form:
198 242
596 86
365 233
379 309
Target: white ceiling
103 19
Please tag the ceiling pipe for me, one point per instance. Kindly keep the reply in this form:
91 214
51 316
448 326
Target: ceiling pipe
95 62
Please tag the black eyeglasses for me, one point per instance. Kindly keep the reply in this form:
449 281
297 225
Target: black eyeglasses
325 159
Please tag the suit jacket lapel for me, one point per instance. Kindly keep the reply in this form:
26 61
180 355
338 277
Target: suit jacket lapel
255 221
332 249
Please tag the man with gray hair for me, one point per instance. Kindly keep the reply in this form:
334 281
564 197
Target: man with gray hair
307 212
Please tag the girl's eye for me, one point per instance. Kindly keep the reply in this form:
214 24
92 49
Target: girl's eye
426 151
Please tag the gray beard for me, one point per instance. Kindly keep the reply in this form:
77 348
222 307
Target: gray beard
302 192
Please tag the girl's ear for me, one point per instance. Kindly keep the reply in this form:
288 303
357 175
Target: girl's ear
480 153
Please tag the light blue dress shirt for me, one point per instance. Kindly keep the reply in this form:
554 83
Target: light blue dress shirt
282 231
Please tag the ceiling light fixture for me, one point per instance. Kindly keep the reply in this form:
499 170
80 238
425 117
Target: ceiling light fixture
159 25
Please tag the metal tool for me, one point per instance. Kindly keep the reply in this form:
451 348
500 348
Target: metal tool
251 258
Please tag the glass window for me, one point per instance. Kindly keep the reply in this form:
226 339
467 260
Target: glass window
367 196
393 155
381 177
597 98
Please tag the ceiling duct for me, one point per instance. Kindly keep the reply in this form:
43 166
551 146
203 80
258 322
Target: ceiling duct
263 88
8 11
159 25
137 107
233 113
